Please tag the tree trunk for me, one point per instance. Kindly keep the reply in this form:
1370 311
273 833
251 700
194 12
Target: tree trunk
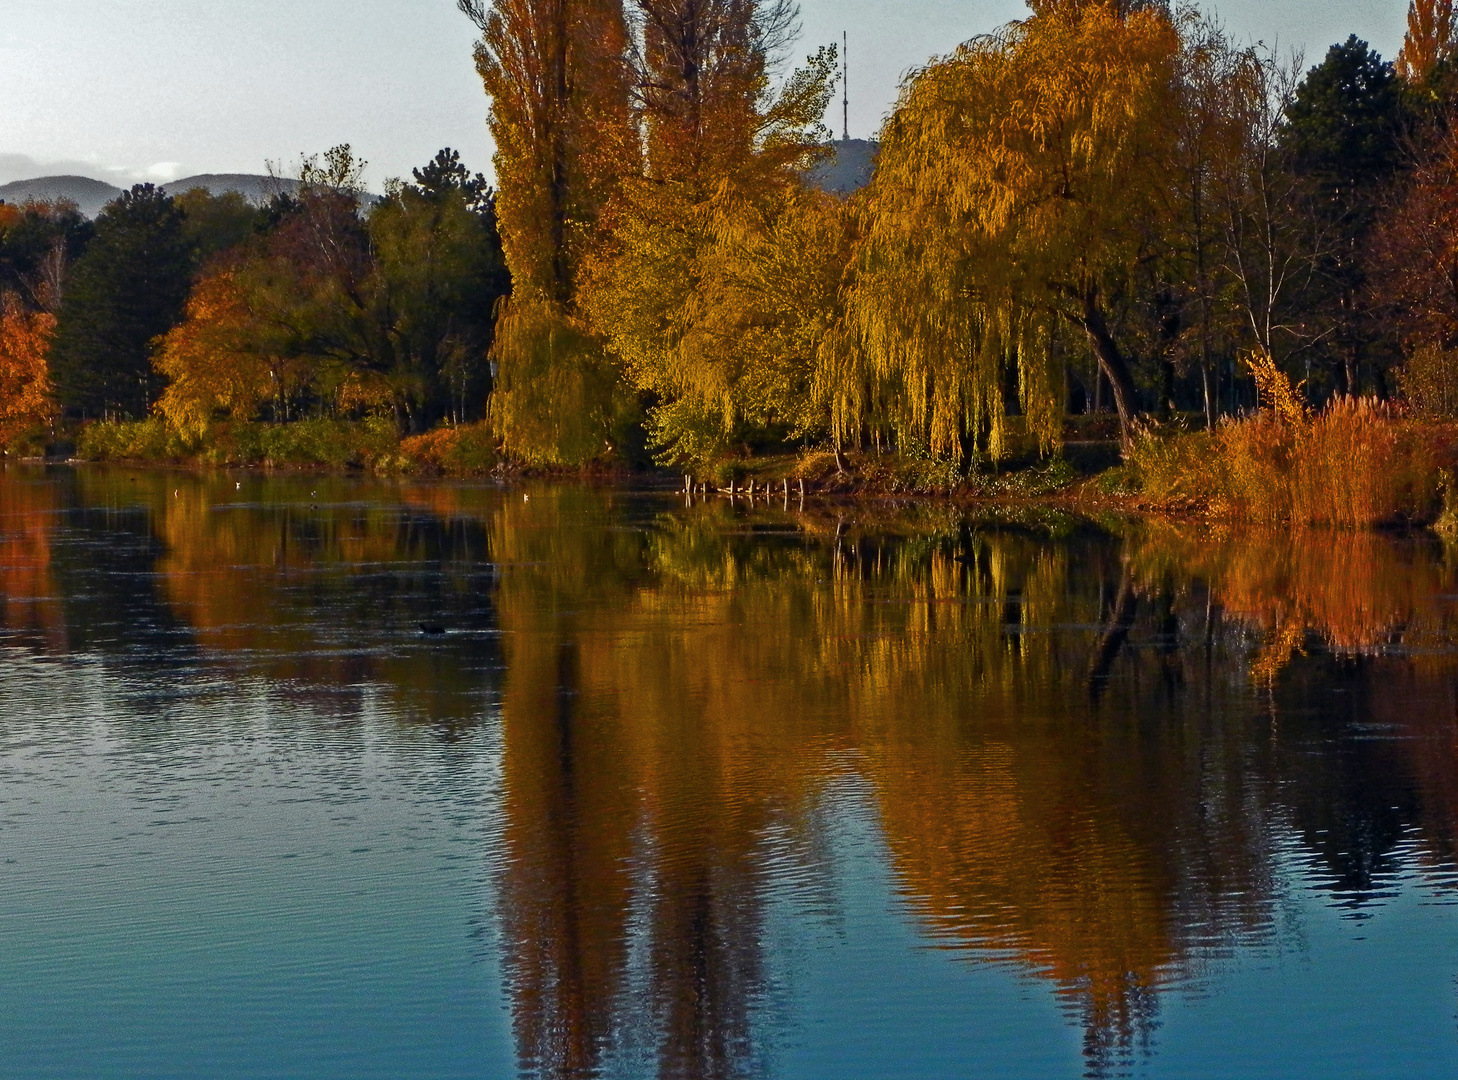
1111 363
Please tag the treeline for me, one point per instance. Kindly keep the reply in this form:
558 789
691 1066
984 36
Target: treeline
1107 205
204 310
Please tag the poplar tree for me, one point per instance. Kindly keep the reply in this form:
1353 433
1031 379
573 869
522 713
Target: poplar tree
724 151
1430 40
561 120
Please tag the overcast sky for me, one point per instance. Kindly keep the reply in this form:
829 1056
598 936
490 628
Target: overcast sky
160 89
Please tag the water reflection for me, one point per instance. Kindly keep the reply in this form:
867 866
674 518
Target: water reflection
1090 748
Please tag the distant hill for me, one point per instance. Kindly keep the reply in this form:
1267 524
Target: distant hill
89 195
850 169
256 189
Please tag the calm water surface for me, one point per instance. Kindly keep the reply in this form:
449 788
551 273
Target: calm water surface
712 790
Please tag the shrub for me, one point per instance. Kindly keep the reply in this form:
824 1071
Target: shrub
1174 467
371 443
458 451
152 439
1429 381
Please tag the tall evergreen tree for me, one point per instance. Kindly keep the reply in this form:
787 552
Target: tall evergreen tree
1343 137
130 287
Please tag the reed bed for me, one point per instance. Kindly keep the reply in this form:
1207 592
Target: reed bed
1357 463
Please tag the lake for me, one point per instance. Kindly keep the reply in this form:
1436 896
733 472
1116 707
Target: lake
711 789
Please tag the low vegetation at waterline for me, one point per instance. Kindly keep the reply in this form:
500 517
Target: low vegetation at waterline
1355 463
373 444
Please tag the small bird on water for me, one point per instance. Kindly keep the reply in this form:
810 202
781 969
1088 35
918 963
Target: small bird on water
430 628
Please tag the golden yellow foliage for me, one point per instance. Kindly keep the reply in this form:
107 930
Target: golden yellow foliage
722 272
1018 179
1429 41
210 368
557 394
1355 464
1275 391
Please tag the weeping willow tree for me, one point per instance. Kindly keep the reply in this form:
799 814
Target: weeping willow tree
562 122
1021 184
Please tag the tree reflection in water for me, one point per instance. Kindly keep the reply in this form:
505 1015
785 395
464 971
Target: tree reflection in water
1085 744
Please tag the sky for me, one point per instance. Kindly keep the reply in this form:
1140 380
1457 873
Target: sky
129 90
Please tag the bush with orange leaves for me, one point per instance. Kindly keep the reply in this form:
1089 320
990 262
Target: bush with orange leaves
26 405
1355 464
458 450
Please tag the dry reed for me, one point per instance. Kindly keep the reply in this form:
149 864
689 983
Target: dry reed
1355 464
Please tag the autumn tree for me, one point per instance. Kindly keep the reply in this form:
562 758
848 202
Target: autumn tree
333 311
560 119
1415 268
1430 41
724 156
212 361
129 287
1021 182
25 393
39 242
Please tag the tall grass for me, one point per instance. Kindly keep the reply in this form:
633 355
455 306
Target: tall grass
1355 464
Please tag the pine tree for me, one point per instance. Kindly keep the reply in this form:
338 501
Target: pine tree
1343 137
130 287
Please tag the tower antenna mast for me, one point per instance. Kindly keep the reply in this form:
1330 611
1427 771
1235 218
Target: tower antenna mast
844 87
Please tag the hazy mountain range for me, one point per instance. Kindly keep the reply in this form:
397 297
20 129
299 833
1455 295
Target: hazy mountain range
91 195
848 170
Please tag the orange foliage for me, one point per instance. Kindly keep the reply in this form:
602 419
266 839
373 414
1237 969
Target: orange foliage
1355 464
25 389
461 449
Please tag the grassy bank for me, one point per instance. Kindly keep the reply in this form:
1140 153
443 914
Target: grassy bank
372 445
1353 464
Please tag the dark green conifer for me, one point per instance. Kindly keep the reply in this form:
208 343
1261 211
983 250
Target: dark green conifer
128 288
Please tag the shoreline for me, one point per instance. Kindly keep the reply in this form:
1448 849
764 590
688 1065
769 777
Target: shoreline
1079 498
